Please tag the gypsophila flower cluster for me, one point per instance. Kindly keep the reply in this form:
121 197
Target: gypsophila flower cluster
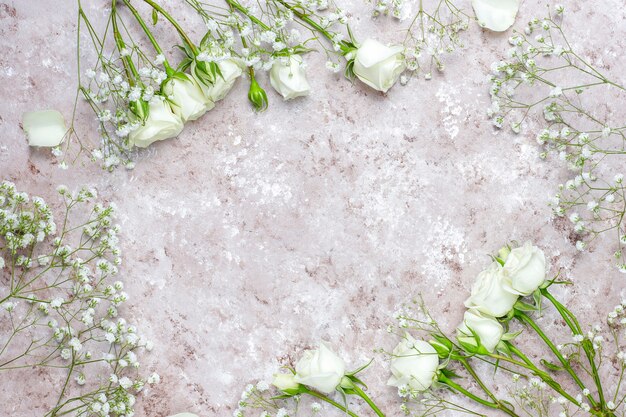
260 400
62 303
544 75
435 30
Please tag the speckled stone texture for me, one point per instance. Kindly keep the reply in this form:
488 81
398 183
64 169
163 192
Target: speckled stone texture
253 236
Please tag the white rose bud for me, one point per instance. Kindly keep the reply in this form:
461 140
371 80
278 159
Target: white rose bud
489 295
288 77
488 329
186 98
44 128
230 69
161 124
285 382
525 268
496 15
414 363
379 66
320 369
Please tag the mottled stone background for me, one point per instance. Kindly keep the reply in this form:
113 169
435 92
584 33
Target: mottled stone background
253 236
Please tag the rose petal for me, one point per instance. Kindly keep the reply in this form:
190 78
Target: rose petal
44 128
497 15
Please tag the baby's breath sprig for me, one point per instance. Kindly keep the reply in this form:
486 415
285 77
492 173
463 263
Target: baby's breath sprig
544 75
434 31
120 84
62 304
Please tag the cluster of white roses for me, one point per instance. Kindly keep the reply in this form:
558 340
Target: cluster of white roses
185 97
517 272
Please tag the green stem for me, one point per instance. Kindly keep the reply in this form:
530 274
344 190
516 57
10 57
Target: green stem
307 20
368 400
566 365
541 374
331 402
243 10
148 33
484 387
129 67
174 23
447 381
574 326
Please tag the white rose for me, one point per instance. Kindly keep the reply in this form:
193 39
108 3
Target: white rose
161 124
489 295
321 369
488 329
414 363
497 15
230 69
525 268
377 65
44 128
285 382
288 77
186 98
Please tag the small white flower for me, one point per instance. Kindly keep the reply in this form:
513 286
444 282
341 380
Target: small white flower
56 303
556 92
125 382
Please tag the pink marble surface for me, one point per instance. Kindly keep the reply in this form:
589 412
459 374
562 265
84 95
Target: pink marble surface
253 236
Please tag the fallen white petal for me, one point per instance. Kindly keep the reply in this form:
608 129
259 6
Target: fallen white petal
44 128
497 15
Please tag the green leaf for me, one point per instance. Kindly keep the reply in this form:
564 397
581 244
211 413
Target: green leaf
155 16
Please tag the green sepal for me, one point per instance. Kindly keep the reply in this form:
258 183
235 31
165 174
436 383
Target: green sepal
184 64
551 366
301 389
140 108
186 50
155 17
538 298
449 373
349 71
507 337
359 369
522 306
503 347
207 72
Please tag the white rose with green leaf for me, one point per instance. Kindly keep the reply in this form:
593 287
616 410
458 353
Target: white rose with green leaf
378 65
490 294
160 124
525 268
230 70
320 369
186 98
288 77
478 329
414 363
